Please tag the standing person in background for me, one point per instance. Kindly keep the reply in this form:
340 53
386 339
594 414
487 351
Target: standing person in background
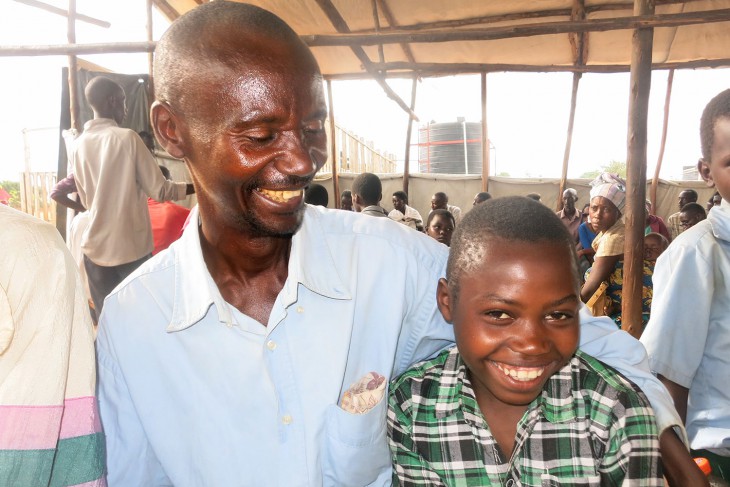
570 215
686 196
440 201
688 337
50 433
114 173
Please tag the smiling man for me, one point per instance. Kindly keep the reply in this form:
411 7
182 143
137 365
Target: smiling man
233 358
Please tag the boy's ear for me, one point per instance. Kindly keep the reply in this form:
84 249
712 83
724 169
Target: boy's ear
703 168
164 123
444 300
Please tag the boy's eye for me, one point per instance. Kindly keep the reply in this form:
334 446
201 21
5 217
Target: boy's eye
497 314
559 316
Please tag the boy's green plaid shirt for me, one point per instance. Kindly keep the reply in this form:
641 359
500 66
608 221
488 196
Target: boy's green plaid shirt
590 426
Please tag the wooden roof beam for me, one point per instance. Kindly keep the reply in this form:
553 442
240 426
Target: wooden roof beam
166 9
341 26
491 19
388 14
64 13
524 30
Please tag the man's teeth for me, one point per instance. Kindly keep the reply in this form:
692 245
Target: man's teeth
522 374
281 196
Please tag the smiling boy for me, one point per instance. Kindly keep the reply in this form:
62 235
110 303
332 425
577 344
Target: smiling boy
515 403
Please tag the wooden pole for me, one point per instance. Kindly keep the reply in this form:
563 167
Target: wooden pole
640 85
665 126
407 162
150 55
333 146
72 66
485 136
568 139
346 38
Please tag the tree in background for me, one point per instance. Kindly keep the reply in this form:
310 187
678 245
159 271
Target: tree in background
614 167
13 189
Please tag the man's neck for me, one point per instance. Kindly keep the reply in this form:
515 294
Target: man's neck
249 271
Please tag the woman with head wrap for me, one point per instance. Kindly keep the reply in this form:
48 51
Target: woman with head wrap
608 197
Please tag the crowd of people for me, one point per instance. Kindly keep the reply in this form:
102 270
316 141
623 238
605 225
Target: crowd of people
278 342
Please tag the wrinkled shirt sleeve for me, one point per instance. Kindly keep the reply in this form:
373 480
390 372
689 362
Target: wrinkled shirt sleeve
601 339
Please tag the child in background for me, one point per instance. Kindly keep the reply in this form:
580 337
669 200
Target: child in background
688 336
440 226
515 402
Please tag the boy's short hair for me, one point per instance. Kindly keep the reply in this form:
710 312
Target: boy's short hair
515 218
718 107
368 187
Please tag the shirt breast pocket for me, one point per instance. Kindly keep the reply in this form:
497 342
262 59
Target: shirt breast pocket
547 480
356 450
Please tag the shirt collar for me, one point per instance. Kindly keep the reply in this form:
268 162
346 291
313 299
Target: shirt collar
556 400
719 217
96 123
310 263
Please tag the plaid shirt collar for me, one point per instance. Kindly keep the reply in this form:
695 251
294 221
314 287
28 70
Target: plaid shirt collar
556 401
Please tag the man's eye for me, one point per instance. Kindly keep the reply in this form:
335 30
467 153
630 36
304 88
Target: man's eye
314 127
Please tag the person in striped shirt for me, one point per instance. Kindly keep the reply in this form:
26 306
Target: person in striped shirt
515 402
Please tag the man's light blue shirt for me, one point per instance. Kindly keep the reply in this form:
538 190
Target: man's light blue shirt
194 393
688 335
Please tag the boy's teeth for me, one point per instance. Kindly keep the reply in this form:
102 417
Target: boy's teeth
281 196
521 374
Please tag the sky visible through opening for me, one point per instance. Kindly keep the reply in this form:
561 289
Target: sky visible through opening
527 112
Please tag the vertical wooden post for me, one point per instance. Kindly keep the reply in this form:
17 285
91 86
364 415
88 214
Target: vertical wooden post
72 67
150 55
642 43
333 146
665 126
407 162
485 136
568 139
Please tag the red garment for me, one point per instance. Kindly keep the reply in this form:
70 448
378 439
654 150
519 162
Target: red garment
657 226
167 222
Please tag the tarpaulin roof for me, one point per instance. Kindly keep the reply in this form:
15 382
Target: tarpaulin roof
433 37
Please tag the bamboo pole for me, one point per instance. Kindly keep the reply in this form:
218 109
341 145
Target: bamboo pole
333 146
568 139
665 126
407 162
636 171
485 136
523 30
338 22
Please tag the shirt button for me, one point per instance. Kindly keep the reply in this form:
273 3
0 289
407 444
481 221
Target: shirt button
300 309
271 345
286 419
510 483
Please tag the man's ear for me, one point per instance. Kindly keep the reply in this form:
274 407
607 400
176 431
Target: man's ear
703 168
445 300
164 123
